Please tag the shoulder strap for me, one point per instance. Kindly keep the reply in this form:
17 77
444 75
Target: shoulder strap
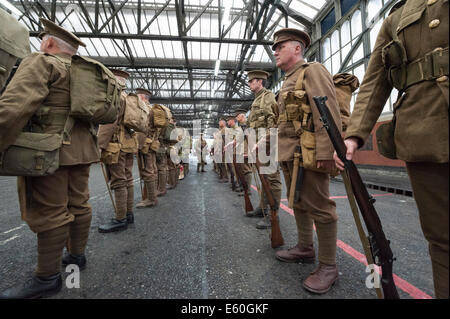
261 104
299 83
70 122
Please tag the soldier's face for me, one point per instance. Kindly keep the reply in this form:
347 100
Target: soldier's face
285 53
241 118
44 44
143 97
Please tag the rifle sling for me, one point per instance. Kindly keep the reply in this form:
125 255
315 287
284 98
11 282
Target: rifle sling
362 235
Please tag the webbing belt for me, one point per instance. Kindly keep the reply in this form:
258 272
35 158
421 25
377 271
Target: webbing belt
433 65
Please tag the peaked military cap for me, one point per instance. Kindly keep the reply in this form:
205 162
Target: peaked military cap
239 111
52 28
143 91
121 73
290 34
257 74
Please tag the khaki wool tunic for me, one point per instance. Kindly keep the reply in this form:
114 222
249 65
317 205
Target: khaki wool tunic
264 105
42 79
317 82
422 121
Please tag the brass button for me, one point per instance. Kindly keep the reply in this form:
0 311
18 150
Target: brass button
430 2
434 23
442 78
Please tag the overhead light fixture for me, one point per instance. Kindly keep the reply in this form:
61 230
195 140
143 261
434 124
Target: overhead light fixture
10 7
226 14
216 70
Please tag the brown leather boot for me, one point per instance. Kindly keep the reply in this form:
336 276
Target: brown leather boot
321 279
162 181
297 254
151 196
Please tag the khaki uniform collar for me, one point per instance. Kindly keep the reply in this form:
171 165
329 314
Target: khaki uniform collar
295 68
260 92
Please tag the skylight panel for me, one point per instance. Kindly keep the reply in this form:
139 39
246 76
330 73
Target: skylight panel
223 55
304 9
168 49
318 4
159 49
195 54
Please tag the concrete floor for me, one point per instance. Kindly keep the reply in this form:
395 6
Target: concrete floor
197 244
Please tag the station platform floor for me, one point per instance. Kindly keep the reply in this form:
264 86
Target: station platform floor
198 244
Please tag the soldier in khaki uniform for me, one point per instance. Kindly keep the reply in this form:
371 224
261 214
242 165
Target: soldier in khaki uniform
55 206
173 169
419 29
14 44
314 205
201 149
246 167
223 176
148 143
161 163
231 131
120 173
263 114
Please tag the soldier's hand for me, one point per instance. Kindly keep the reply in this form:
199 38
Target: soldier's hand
352 145
327 165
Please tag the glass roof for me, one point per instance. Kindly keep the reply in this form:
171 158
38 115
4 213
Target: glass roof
171 46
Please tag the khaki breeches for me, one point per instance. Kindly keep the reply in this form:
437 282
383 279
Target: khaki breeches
274 180
149 172
161 163
49 202
121 174
430 186
314 196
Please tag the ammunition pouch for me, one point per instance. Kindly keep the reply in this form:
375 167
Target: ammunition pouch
128 144
385 134
31 154
155 146
110 155
146 147
385 140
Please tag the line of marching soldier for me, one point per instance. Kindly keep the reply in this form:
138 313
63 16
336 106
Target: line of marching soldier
54 198
152 149
411 55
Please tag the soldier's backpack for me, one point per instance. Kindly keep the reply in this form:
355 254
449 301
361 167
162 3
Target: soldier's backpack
94 91
95 98
160 116
168 133
14 44
136 114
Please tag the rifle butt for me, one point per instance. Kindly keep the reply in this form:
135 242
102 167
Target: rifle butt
276 236
293 184
248 203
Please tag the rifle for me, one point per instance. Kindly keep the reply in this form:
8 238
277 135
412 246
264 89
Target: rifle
297 178
141 166
245 186
379 245
276 236
105 175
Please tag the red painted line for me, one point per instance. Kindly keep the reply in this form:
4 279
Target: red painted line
399 282
402 284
